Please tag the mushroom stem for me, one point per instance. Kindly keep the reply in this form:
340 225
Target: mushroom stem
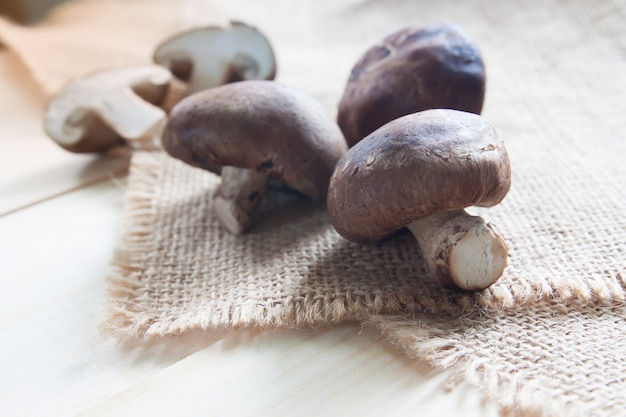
134 119
462 251
176 91
243 67
238 195
131 116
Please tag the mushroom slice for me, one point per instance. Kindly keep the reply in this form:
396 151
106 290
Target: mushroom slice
412 70
421 171
211 56
108 107
255 130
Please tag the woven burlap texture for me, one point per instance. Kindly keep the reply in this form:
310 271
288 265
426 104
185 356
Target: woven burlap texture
549 338
544 360
178 269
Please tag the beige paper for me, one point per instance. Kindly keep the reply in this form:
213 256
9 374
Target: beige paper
89 35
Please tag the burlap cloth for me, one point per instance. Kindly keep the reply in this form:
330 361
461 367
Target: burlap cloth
548 339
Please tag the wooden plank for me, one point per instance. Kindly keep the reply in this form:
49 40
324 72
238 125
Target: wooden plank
32 167
54 257
343 371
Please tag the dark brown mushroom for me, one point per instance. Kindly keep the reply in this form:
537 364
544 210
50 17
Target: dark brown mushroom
412 70
421 171
255 130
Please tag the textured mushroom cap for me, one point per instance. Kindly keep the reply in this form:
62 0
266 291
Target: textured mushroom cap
416 166
412 70
258 125
210 56
101 109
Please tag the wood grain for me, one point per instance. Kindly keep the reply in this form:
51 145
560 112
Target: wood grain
32 167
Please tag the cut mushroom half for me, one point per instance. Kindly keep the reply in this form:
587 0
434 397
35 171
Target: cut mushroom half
420 172
108 108
255 131
213 55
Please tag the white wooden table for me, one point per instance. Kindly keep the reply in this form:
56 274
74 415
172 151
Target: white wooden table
60 216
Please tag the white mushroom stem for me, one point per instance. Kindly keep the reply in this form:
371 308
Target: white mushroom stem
462 251
139 122
176 91
212 56
238 195
243 67
95 112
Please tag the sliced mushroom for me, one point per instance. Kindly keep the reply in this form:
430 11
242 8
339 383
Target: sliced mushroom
255 130
211 56
412 70
421 171
109 107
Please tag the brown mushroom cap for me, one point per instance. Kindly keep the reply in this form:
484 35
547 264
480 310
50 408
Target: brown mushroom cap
415 166
258 125
412 70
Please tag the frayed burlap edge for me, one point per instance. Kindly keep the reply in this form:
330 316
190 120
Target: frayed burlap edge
423 340
128 261
121 321
428 343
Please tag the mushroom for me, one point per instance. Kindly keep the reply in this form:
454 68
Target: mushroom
421 171
412 70
110 107
255 130
211 56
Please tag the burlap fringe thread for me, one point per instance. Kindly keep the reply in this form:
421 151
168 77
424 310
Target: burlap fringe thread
146 203
523 341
